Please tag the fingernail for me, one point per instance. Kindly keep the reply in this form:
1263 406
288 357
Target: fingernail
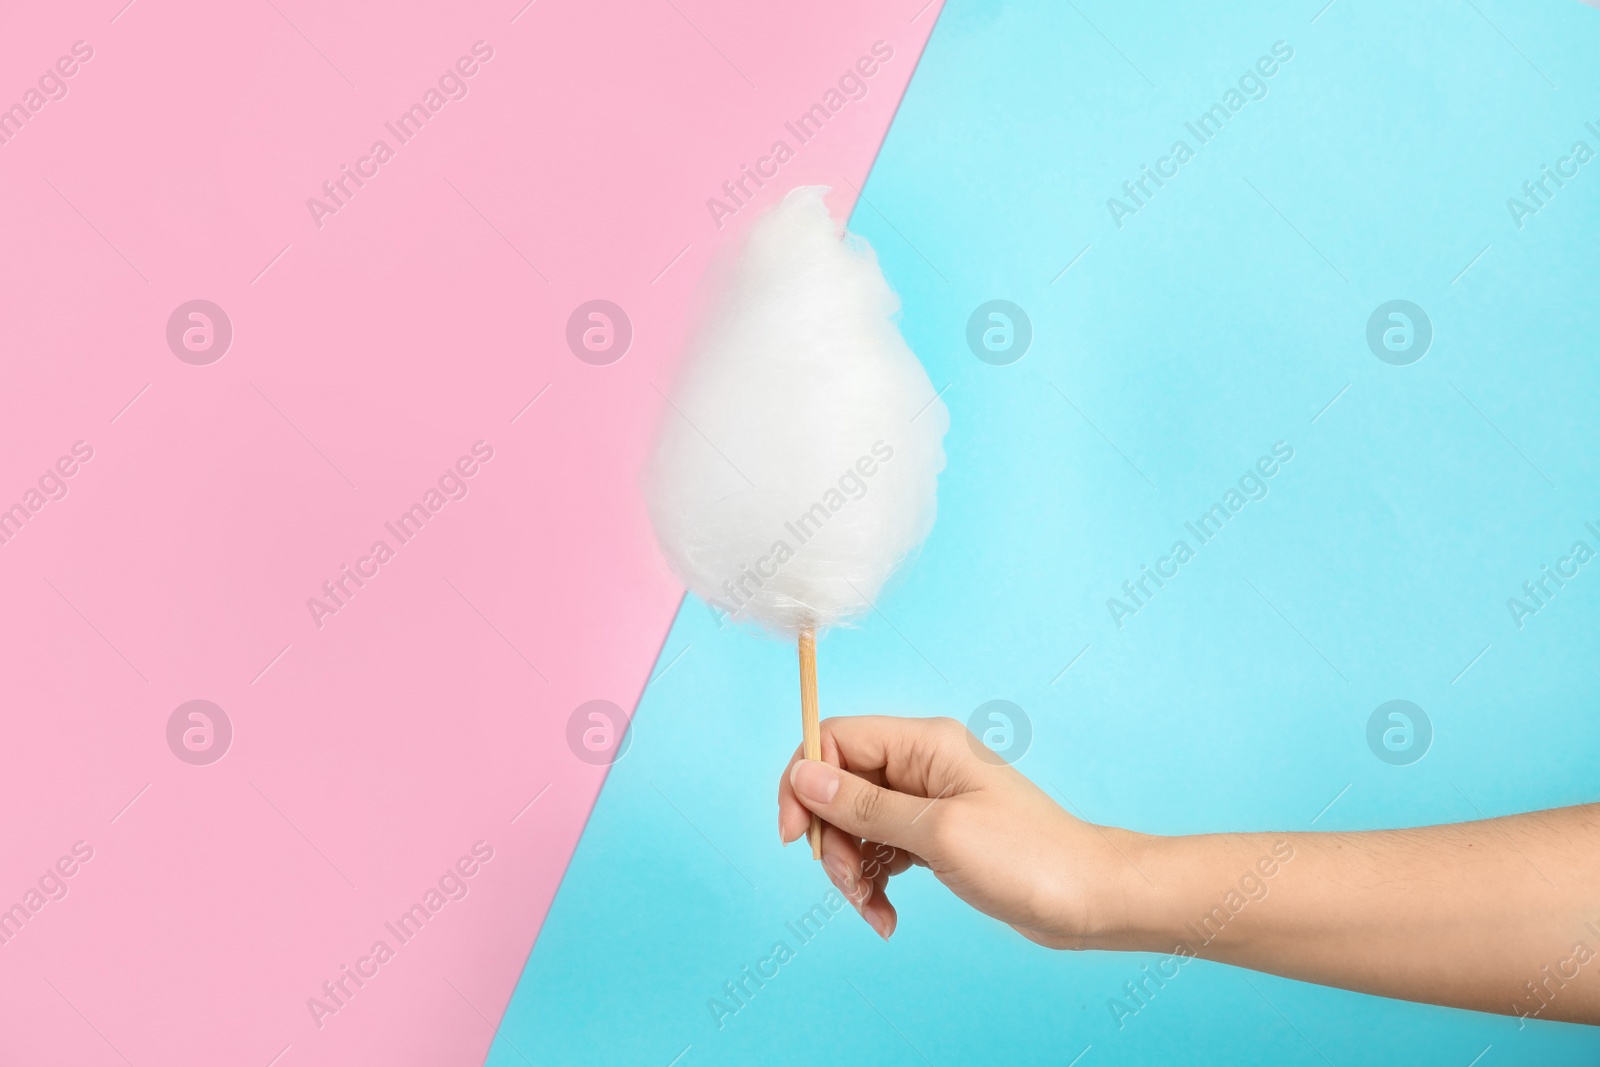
815 782
839 871
879 924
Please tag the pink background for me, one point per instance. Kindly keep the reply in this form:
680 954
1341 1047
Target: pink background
368 354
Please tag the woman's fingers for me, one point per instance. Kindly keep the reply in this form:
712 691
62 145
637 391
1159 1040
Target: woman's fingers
917 757
879 863
913 756
859 868
860 808
841 858
793 818
878 911
861 872
877 858
875 783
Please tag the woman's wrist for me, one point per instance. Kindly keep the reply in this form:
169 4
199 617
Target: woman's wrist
1193 894
1136 908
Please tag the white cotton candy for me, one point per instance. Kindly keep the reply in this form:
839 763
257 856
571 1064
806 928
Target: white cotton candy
798 461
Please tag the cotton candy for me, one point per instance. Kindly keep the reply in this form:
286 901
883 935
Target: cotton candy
798 459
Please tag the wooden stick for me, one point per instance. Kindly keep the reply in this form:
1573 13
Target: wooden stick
811 731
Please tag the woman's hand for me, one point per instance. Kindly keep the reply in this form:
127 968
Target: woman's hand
892 792
1384 911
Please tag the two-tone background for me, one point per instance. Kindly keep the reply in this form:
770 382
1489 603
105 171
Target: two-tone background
282 283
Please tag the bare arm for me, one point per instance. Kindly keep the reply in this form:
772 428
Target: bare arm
1501 915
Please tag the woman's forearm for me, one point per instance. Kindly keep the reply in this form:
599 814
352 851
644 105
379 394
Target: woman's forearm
1501 915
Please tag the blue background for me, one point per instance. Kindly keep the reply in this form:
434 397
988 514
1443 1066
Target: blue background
1221 318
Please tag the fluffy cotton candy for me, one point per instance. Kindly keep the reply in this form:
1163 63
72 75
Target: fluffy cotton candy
798 461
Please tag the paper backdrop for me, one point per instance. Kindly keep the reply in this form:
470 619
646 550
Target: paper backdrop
1214 359
331 342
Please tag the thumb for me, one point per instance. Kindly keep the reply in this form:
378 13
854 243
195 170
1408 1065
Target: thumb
858 807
